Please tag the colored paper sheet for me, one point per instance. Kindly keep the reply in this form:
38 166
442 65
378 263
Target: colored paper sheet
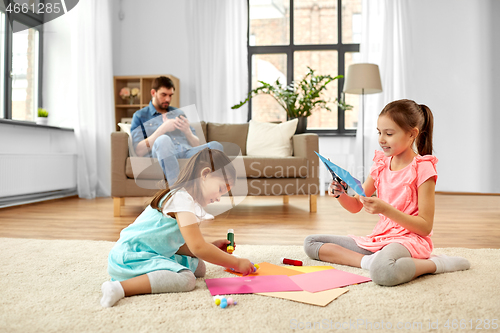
321 298
328 279
310 269
266 268
251 285
344 175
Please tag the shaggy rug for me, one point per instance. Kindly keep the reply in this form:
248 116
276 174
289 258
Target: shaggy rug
54 286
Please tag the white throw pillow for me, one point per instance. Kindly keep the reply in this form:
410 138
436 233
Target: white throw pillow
273 140
125 127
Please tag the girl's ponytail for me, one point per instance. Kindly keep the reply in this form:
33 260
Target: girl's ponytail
424 139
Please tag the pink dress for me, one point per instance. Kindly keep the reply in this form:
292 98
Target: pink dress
399 189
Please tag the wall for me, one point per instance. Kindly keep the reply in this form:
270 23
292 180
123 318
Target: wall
453 71
151 39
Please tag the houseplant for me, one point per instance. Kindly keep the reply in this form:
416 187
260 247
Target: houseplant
298 99
42 117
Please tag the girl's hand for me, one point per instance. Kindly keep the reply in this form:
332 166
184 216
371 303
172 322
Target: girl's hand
336 189
245 267
374 205
222 244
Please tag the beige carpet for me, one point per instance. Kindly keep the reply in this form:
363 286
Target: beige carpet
54 286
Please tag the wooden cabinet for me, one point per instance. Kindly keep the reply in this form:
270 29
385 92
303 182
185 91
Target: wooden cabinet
125 108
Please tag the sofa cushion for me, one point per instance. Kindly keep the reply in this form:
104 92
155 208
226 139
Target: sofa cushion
273 140
276 167
255 167
229 133
147 168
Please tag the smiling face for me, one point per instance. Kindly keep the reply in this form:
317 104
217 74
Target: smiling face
392 138
213 187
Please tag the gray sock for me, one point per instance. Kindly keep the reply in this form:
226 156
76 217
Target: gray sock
164 281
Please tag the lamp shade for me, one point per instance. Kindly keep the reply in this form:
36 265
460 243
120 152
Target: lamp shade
362 78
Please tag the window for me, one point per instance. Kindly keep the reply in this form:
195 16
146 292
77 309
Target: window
282 43
20 59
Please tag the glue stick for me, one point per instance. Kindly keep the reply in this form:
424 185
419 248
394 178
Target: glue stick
291 262
230 237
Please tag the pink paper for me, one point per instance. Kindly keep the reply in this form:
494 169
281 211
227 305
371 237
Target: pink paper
328 279
251 284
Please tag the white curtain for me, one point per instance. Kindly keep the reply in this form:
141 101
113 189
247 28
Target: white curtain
92 82
217 32
386 42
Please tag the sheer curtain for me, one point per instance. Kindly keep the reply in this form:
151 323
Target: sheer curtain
92 82
386 42
217 32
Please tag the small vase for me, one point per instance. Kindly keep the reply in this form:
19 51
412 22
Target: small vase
131 100
42 120
301 125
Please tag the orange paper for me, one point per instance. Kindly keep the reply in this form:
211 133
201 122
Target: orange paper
266 268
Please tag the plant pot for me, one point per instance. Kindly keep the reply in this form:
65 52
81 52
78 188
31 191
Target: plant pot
301 125
42 120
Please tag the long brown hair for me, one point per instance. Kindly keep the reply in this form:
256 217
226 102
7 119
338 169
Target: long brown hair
190 176
409 115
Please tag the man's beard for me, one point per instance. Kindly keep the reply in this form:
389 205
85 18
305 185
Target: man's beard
162 106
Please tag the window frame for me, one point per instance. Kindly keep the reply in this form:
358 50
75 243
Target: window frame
289 50
32 20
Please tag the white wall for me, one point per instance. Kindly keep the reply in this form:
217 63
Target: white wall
453 70
152 39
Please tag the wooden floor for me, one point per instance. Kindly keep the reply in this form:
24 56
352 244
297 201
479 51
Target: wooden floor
470 221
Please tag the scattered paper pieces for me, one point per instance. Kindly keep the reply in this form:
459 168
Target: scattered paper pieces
322 298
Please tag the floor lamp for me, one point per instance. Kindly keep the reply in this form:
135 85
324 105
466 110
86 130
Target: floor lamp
362 79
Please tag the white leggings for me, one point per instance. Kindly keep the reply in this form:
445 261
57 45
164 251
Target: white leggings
164 281
392 266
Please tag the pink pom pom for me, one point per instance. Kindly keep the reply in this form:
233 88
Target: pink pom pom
230 301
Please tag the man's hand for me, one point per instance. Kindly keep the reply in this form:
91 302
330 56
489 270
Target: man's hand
167 126
182 123
374 205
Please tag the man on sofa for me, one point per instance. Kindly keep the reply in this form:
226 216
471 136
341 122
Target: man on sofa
163 132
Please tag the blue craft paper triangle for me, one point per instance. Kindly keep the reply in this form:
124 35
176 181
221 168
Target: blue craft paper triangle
344 175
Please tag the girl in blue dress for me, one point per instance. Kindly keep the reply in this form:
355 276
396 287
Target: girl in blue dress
163 250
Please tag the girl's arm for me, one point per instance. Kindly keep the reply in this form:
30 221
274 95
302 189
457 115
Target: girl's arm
353 204
422 223
197 245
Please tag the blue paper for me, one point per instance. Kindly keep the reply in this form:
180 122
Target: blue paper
335 170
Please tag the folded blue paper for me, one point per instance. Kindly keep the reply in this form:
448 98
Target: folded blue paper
344 175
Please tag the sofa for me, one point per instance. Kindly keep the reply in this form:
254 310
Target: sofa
266 176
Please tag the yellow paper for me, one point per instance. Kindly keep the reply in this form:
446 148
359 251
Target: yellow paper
310 269
321 298
266 268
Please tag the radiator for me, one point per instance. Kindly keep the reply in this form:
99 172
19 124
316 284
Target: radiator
22 174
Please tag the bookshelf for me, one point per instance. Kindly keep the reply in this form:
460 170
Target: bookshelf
126 108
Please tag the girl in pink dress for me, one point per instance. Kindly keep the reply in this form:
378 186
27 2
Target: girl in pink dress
404 176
